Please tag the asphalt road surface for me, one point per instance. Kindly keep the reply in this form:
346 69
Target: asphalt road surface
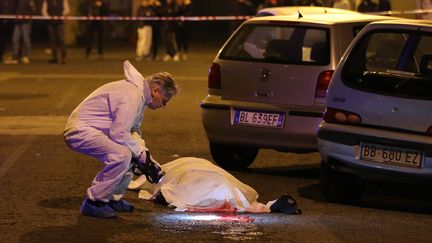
42 182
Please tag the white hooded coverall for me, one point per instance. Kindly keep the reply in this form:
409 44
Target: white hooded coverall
106 125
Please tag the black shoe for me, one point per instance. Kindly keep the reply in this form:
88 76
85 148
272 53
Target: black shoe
53 61
159 198
285 204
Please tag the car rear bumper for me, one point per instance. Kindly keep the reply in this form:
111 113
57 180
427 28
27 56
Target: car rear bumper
298 133
339 147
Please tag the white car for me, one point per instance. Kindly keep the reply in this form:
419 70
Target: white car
267 85
378 120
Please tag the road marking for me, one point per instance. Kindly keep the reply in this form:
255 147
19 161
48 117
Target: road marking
6 75
32 125
15 155
66 97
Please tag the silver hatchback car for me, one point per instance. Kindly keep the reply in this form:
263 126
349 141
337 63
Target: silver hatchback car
268 83
378 120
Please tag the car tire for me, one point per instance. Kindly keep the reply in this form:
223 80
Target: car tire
339 187
233 157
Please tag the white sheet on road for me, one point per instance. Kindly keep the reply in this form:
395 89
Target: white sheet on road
195 184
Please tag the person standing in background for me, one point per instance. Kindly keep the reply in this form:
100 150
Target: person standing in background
367 6
95 27
241 8
182 37
342 4
425 5
289 2
269 4
156 7
169 28
22 31
7 7
311 3
384 5
144 31
56 28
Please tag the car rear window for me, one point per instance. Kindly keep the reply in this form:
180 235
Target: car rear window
397 63
279 44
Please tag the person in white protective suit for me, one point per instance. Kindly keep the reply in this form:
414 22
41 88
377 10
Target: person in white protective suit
106 126
195 184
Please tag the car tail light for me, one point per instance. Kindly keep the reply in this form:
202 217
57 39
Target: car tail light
429 131
340 116
214 77
322 85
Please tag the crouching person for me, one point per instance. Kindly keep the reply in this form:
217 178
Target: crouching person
106 126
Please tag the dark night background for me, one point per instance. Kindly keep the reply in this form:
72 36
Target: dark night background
124 32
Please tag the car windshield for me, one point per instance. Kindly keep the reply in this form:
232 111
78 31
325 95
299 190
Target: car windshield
397 63
279 44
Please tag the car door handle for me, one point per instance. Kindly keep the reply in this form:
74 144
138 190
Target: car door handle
263 93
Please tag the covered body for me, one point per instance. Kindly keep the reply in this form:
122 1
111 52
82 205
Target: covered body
195 184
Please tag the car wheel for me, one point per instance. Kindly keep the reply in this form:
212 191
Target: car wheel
233 157
340 187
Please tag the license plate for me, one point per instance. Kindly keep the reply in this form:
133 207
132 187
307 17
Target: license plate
391 155
259 119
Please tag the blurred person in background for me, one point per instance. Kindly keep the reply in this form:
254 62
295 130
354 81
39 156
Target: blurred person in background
144 31
367 6
21 37
95 27
182 37
311 3
269 4
7 7
56 28
425 5
241 8
169 28
384 5
342 4
156 7
289 2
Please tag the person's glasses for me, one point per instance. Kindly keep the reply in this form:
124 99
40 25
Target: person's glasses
163 101
163 98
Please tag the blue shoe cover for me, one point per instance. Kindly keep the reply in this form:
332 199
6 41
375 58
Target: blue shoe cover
100 212
121 206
